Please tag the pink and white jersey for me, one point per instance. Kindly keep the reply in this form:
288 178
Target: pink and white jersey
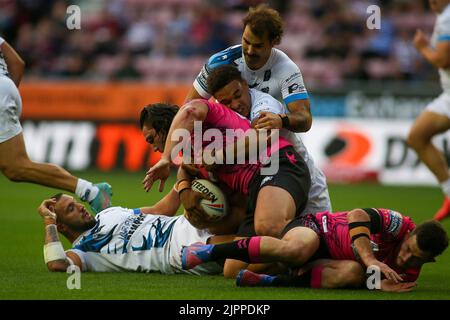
237 177
386 243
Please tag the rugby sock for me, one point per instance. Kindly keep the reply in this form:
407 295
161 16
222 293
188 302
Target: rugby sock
86 190
311 278
446 187
246 250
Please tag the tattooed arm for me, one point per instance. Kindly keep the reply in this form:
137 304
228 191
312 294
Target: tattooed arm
54 255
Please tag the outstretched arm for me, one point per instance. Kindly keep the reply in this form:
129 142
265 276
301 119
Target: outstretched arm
16 65
167 206
360 225
54 255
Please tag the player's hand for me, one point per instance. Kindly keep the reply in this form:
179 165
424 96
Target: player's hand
387 271
420 41
159 171
268 120
391 286
194 212
224 57
47 210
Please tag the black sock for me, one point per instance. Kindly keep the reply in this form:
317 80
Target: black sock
303 280
234 250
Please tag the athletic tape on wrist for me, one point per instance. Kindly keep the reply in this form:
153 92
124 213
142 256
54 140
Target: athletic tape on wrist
54 251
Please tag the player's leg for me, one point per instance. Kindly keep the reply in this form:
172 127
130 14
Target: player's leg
434 120
324 273
275 207
294 249
16 166
283 195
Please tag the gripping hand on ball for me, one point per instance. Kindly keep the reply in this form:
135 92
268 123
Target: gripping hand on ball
191 201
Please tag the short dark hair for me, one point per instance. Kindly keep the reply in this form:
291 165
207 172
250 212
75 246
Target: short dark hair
221 76
431 237
159 116
57 196
262 20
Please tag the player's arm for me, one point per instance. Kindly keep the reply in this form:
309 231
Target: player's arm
167 206
54 256
199 88
439 56
16 65
361 223
183 122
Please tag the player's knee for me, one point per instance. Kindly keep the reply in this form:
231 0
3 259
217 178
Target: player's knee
416 141
269 228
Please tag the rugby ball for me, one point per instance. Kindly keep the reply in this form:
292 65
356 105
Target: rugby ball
216 208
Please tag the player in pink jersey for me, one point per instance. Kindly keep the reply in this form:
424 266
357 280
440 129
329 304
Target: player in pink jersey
332 250
273 200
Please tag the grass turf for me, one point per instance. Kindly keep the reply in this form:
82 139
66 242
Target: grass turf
23 274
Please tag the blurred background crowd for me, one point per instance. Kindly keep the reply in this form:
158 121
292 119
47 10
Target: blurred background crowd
169 41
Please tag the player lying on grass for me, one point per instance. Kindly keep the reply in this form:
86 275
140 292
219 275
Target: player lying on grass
354 240
119 239
14 161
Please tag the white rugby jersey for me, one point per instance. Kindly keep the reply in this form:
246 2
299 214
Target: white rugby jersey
128 240
280 77
318 198
442 33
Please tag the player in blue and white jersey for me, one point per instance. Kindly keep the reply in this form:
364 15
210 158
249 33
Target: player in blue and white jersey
118 239
435 119
264 68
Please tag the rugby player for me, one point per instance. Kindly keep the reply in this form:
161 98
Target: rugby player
435 119
357 239
264 68
14 161
229 88
273 200
148 239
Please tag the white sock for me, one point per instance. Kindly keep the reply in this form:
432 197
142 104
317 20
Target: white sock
445 186
83 186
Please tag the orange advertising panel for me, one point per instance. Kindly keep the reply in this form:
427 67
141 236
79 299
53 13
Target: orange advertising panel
91 101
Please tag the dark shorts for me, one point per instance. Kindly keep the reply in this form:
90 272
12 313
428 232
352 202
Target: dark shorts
293 176
309 221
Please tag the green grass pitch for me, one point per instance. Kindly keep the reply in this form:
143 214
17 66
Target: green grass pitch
23 274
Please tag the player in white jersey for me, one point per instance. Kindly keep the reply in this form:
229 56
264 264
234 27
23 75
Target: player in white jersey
435 119
14 161
264 68
148 239
229 88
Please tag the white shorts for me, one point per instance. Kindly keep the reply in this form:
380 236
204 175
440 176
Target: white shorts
440 105
184 234
10 109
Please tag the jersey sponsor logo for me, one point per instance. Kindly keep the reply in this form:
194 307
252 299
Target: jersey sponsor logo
395 223
265 90
267 75
295 88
